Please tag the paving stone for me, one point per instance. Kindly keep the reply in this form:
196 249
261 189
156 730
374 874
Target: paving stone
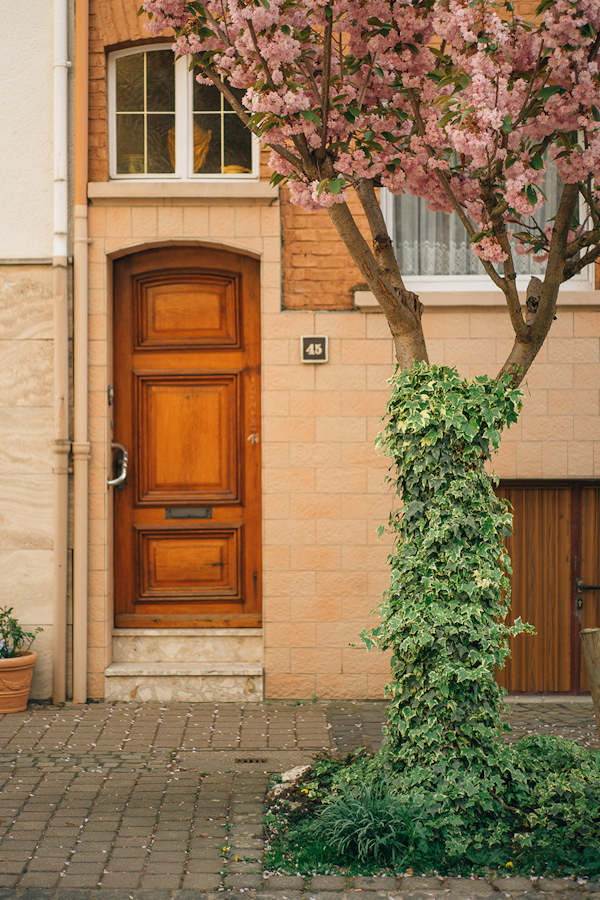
325 895
152 894
516 885
327 883
470 887
239 882
73 894
201 882
162 881
200 866
375 883
39 880
113 894
277 895
420 883
80 881
554 885
285 882
421 895
120 881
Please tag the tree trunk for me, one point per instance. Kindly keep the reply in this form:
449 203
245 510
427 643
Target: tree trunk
590 639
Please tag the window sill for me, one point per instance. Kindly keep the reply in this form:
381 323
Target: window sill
203 190
366 302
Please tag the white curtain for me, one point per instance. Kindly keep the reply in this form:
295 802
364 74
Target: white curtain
434 243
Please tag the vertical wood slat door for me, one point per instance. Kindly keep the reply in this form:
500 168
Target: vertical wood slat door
555 541
590 567
540 550
187 407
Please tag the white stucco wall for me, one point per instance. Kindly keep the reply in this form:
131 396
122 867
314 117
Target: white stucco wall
26 135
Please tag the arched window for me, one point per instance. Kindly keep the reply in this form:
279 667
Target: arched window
164 125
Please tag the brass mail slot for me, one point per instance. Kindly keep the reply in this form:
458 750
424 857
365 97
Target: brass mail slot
188 512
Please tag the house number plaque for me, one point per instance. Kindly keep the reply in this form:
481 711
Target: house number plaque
313 348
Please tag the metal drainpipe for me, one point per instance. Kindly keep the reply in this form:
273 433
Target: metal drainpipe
61 444
81 446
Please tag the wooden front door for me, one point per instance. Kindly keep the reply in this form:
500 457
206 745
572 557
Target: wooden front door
187 408
556 541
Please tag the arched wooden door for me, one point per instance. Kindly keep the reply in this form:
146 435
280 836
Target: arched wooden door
187 529
556 542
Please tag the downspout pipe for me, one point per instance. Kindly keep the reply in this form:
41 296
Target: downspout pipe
61 444
81 446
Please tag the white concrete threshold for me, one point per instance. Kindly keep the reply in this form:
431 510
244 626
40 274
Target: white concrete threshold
186 664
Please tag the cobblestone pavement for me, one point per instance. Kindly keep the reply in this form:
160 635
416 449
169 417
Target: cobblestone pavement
157 802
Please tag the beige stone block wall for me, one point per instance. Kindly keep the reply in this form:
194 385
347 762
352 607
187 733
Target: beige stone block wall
323 493
26 459
325 569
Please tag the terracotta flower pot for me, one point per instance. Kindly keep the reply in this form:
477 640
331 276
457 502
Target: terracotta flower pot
15 681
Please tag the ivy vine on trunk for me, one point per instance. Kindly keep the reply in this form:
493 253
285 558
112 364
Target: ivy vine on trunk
443 615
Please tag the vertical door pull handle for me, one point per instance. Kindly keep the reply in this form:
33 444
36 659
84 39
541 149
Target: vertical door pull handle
124 458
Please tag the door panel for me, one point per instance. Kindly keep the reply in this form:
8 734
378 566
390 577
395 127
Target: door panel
188 438
187 392
555 537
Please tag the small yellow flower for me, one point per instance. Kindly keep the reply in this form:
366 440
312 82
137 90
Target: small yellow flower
509 864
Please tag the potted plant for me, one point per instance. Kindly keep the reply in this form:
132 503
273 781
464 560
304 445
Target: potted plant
17 660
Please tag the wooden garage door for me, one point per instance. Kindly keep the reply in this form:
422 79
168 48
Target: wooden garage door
555 543
187 407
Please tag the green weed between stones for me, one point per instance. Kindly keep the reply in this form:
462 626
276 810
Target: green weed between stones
445 793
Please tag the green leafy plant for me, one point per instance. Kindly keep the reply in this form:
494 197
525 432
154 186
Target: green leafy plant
14 641
368 823
443 615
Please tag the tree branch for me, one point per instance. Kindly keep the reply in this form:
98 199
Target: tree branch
233 101
575 266
509 287
382 244
402 308
325 77
497 279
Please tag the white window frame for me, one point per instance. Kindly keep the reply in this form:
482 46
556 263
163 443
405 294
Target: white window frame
184 131
422 284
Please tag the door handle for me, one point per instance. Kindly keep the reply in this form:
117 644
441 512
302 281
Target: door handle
122 452
581 587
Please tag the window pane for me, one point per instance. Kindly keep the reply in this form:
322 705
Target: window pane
207 143
130 83
130 144
237 92
433 243
238 146
160 78
207 98
161 143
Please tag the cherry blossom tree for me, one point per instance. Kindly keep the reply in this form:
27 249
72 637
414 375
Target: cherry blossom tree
461 102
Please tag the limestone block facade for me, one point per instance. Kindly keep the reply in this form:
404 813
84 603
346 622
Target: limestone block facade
26 338
322 568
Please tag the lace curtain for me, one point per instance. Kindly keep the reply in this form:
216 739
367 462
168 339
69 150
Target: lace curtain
434 243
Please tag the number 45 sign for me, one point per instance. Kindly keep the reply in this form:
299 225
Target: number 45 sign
313 348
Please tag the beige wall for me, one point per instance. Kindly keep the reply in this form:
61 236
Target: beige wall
26 486
324 569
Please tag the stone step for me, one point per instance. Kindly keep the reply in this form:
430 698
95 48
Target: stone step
184 681
194 645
